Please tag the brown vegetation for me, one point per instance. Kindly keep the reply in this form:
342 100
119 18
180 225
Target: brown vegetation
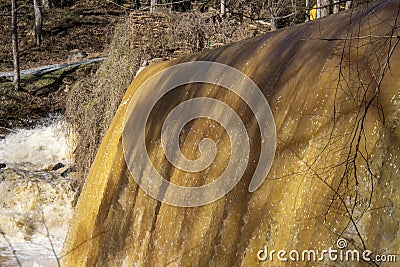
63 30
87 26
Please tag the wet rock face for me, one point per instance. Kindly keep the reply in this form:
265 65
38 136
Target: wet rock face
333 87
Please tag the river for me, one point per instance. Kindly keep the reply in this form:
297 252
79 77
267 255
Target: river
36 193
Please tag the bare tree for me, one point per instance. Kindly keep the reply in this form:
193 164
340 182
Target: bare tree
223 8
308 10
325 4
38 22
319 9
278 10
153 5
323 8
272 12
335 6
46 4
14 40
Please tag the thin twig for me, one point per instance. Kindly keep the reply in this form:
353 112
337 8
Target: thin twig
148 7
356 38
8 129
11 246
48 232
51 242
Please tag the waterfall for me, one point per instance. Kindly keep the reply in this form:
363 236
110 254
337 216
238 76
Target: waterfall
333 88
39 148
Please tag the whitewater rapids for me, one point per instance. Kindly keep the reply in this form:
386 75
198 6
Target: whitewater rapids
35 201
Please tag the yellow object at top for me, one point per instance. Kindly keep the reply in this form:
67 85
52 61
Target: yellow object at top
313 13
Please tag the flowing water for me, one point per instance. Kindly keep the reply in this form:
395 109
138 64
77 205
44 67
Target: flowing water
35 200
334 89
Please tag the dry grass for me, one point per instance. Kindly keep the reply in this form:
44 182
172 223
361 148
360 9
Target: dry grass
93 102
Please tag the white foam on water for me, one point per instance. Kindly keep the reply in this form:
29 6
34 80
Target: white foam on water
43 146
35 202
32 254
34 217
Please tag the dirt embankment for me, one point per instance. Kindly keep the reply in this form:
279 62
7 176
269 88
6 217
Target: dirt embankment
87 26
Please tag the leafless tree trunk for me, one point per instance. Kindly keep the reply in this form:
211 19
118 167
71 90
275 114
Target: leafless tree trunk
14 40
325 4
348 4
46 4
307 10
153 4
223 8
318 9
272 12
38 22
335 6
273 26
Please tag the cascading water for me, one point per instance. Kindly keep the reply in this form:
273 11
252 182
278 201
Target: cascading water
38 148
35 201
334 90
